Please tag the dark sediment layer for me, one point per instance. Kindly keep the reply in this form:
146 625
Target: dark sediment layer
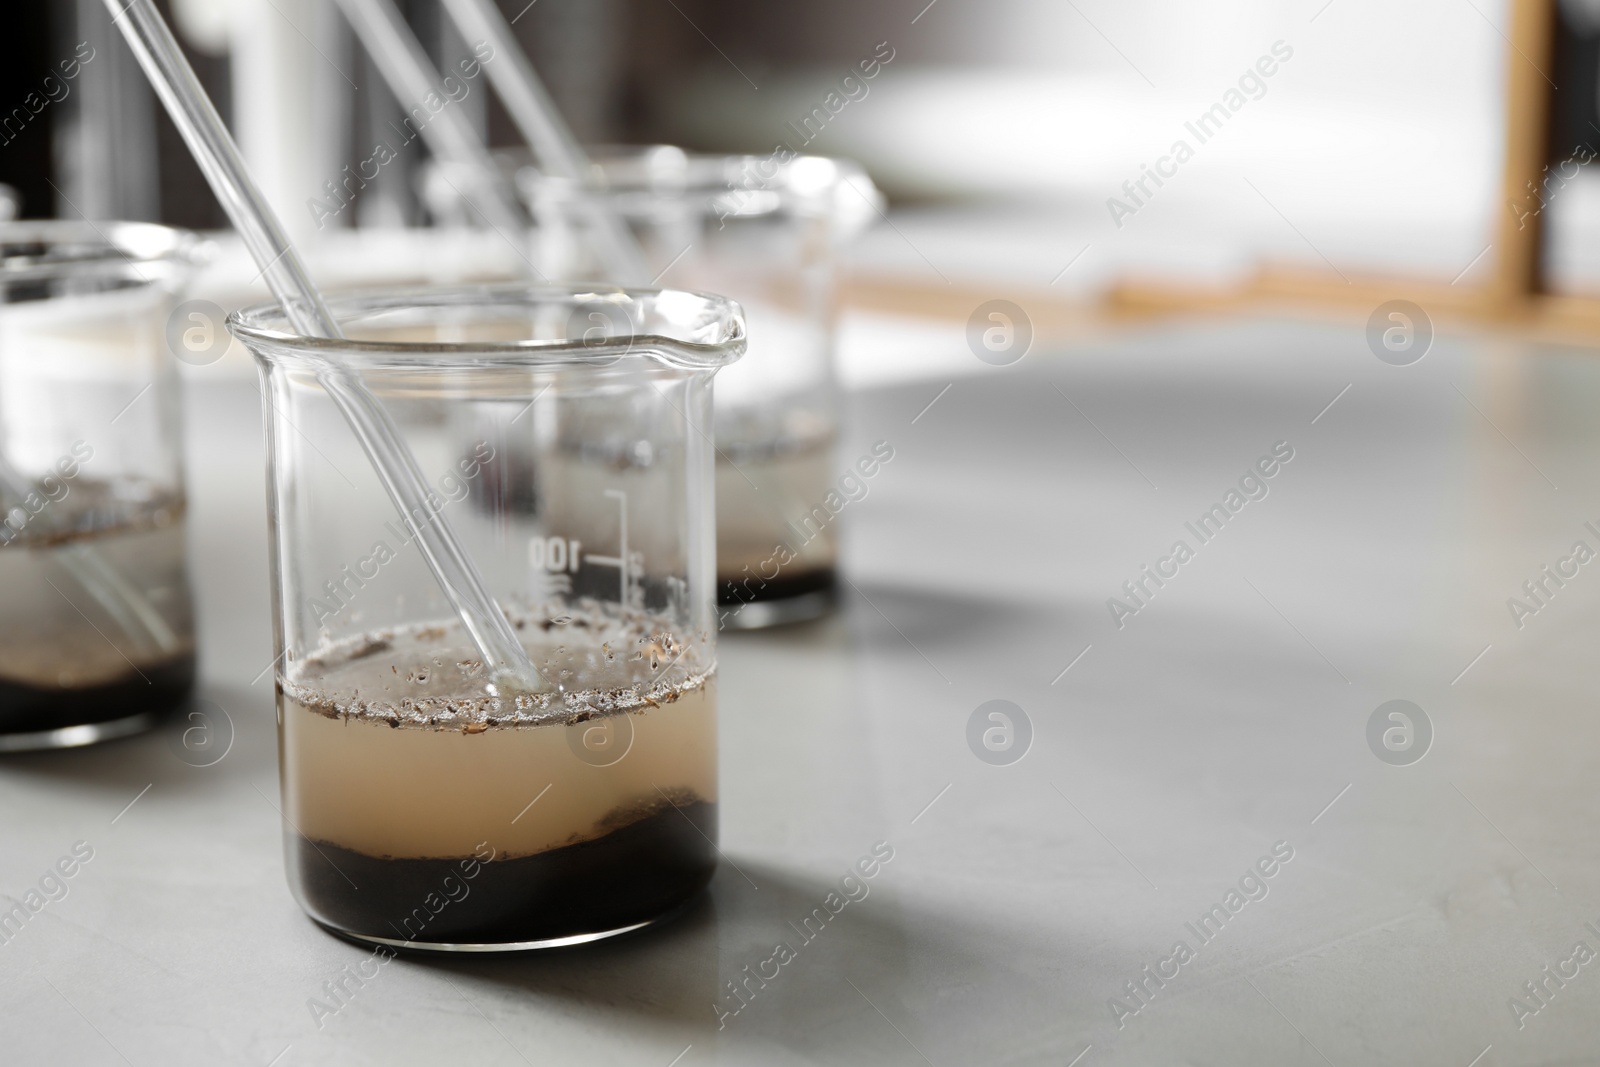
632 874
158 688
784 586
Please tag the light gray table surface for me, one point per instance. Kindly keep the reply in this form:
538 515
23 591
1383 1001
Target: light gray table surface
1167 756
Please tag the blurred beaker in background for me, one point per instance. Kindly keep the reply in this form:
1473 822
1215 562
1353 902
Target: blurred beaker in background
96 624
767 232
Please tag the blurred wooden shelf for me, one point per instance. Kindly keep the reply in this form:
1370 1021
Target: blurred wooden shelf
1513 301
1276 289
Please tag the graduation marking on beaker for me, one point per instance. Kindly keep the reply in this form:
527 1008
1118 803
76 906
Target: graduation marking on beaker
620 560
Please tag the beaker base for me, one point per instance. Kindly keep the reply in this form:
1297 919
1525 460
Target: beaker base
35 717
76 736
625 880
505 946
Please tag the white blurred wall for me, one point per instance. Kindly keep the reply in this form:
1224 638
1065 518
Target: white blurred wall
1378 141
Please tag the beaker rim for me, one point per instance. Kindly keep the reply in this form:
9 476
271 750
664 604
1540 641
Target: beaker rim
634 166
833 187
691 330
35 250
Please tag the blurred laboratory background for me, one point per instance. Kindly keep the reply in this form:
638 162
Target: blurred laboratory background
1019 141
1128 253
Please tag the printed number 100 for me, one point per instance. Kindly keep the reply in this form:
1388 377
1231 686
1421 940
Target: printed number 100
554 555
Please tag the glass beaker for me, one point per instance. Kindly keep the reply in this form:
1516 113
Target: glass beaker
573 462
96 621
766 231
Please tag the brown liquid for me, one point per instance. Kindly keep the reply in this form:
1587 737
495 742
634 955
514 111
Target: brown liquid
596 804
768 498
70 653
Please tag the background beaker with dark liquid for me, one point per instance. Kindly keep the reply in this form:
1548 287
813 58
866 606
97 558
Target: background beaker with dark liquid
767 231
96 623
426 804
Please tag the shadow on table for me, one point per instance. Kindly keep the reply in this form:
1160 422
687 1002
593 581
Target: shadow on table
684 970
934 617
921 614
221 735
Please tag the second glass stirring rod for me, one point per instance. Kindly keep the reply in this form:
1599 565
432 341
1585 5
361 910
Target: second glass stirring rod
219 159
